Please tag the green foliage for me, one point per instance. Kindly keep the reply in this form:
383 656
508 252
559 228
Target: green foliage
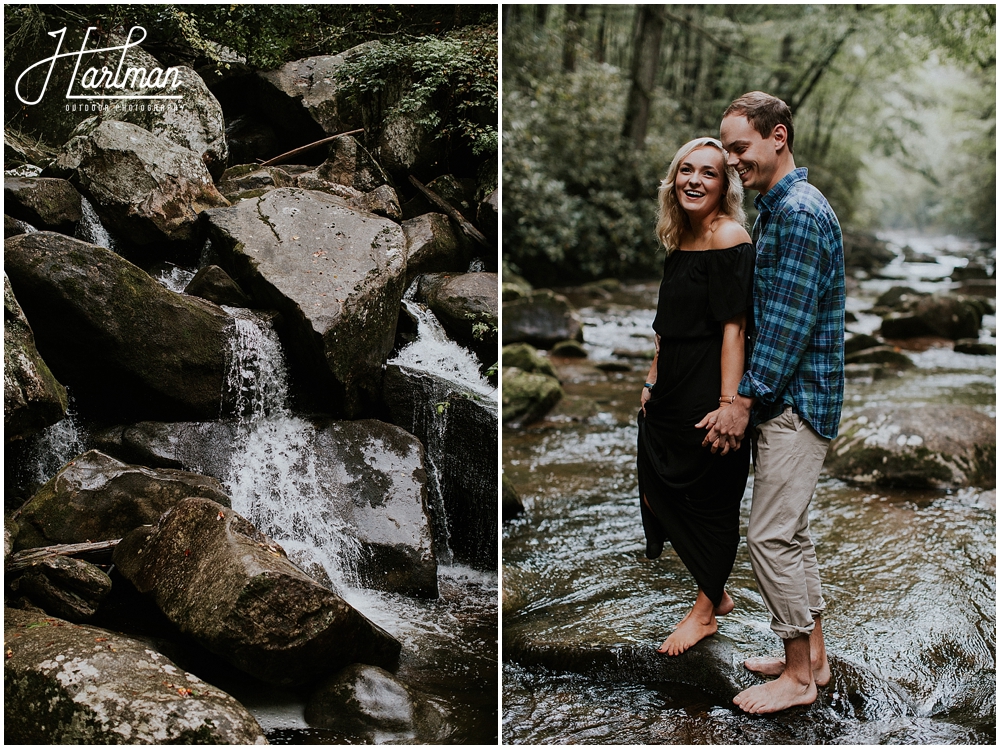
450 82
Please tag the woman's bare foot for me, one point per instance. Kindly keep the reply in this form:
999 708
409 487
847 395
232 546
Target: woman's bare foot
698 624
725 605
780 694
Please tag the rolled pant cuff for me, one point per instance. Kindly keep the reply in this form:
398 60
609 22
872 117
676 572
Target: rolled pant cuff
790 631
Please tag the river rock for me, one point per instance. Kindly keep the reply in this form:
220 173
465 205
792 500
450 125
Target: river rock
65 587
349 163
431 245
528 397
406 145
97 498
975 347
866 251
127 346
237 180
931 446
14 226
215 285
43 202
898 298
459 431
978 287
512 506
888 355
233 590
466 304
335 274
371 705
144 187
526 358
542 318
944 315
73 684
368 477
860 342
32 397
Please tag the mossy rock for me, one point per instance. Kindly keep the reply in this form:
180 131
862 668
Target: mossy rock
527 397
526 358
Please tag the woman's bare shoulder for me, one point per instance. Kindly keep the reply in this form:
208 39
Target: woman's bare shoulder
729 234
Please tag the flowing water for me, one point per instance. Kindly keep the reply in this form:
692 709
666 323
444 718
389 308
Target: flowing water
909 576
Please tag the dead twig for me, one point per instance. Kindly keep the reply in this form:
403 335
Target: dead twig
303 149
468 229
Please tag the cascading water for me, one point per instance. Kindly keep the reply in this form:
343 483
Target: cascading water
272 477
55 446
90 229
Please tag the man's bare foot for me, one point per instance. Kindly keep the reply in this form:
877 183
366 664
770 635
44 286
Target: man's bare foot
691 630
780 694
775 667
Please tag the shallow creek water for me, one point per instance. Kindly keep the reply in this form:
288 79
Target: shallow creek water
909 576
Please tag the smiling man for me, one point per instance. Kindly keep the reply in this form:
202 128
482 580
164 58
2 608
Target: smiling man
791 394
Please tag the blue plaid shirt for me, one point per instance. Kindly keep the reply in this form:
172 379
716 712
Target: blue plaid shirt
798 344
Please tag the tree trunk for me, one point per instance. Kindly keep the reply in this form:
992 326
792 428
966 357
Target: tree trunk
575 17
645 63
600 45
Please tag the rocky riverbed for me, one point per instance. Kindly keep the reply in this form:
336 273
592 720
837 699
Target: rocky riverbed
226 480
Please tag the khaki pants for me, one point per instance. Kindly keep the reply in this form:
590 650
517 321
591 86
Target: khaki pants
788 456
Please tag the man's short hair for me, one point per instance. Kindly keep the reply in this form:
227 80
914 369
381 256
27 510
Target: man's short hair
763 112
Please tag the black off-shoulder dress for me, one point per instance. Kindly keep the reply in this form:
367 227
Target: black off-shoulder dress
694 495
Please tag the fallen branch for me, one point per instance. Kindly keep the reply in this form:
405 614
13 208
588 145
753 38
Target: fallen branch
470 231
303 149
97 551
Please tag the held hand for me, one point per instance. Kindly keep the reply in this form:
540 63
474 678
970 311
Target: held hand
725 426
646 395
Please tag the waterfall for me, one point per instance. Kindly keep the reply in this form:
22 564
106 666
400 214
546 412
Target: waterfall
272 477
90 229
175 278
54 447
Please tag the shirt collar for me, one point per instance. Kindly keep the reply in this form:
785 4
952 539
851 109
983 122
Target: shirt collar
777 193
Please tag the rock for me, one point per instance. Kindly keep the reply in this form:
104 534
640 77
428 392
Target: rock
950 316
72 684
349 163
973 270
527 397
408 146
43 202
896 327
371 705
127 346
215 285
382 201
614 366
973 346
246 177
302 98
459 432
978 287
928 447
514 287
542 319
144 187
367 479
569 350
431 246
65 587
32 397
488 217
865 250
97 498
237 594
466 305
13 226
880 355
899 298
335 275
526 358
860 342
512 506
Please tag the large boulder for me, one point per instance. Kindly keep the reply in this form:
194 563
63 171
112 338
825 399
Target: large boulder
371 705
97 498
233 590
525 357
32 397
43 202
366 479
145 188
459 431
335 274
927 447
73 684
528 396
431 245
467 306
542 318
865 251
125 345
350 164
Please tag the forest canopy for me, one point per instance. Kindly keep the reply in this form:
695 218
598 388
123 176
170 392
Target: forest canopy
895 112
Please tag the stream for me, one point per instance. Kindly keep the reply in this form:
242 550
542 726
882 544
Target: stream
909 576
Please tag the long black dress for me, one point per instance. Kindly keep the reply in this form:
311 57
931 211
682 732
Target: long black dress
694 494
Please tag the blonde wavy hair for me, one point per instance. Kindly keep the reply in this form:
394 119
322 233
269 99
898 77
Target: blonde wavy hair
671 220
